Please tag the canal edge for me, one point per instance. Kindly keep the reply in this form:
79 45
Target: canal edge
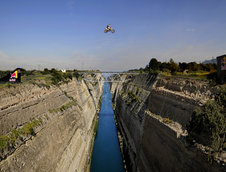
120 139
94 132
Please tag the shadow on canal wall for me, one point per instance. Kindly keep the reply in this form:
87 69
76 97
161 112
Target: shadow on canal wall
152 113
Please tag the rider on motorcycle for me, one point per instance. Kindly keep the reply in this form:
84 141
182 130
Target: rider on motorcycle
108 27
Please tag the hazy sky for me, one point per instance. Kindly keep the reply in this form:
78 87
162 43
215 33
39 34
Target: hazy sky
70 33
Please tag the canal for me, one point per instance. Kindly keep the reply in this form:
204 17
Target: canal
106 155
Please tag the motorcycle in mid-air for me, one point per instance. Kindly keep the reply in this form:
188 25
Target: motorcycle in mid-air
109 28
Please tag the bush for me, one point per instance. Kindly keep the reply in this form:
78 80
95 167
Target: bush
221 98
4 73
46 71
28 72
76 75
166 120
14 135
208 124
56 77
133 97
68 75
3 141
156 72
212 76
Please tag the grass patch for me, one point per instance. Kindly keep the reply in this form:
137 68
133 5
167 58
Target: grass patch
63 107
15 134
41 77
166 120
195 75
8 85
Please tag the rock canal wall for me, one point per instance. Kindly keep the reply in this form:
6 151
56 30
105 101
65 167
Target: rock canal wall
152 113
62 139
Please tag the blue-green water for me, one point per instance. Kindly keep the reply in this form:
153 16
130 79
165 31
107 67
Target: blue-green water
106 155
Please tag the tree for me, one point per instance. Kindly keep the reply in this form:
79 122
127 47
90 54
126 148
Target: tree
173 66
164 66
183 66
154 64
193 66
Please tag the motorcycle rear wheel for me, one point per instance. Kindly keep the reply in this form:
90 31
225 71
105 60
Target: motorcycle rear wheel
112 30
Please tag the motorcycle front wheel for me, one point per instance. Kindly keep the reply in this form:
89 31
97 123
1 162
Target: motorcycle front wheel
105 31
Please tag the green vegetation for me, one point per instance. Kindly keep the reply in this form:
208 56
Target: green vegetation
137 91
113 105
192 69
63 107
99 102
44 78
208 124
27 129
3 141
36 77
77 75
4 73
173 67
47 117
123 95
166 120
70 97
8 85
59 77
93 74
133 97
96 126
49 76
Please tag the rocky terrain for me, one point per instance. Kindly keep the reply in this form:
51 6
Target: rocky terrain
152 113
48 128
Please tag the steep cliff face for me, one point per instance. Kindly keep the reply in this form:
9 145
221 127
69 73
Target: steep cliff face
48 129
152 113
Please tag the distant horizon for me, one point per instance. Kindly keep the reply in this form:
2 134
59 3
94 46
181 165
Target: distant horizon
41 68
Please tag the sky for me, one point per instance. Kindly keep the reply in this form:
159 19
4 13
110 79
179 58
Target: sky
69 34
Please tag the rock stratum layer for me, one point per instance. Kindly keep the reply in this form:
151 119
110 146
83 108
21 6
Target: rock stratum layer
152 113
62 140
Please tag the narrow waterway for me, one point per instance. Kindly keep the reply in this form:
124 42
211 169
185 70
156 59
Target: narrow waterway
106 155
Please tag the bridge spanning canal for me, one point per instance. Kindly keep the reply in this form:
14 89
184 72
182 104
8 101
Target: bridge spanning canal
110 72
